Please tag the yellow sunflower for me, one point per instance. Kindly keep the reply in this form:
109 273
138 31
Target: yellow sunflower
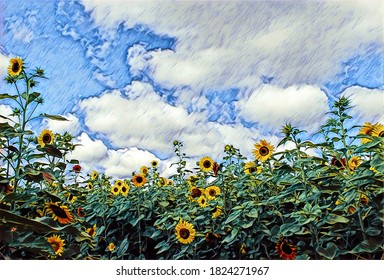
263 150
191 180
212 192
124 189
364 199
185 232
115 190
154 163
59 213
206 164
15 67
170 183
250 167
218 211
57 244
94 175
89 186
162 181
367 129
354 162
46 137
139 180
378 131
92 231
111 247
285 250
144 170
202 201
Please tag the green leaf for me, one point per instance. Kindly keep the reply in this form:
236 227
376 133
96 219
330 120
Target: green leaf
53 117
123 247
233 216
231 237
334 219
329 252
368 246
6 95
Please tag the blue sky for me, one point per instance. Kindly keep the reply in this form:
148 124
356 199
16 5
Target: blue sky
132 76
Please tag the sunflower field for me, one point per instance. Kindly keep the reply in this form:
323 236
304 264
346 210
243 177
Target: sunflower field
277 205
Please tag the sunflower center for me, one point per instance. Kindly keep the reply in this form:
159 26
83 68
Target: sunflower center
203 201
58 211
207 164
139 179
212 192
119 184
252 169
55 246
116 189
286 249
196 193
184 233
264 151
338 163
47 138
91 231
123 189
381 134
16 67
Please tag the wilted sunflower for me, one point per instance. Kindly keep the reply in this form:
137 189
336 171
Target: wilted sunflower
212 238
46 137
339 163
59 213
206 164
111 247
263 150
218 211
367 129
94 175
154 163
124 189
285 250
80 212
354 162
212 192
351 209
202 201
15 67
139 180
57 244
378 131
115 190
92 231
185 232
76 168
144 170
196 192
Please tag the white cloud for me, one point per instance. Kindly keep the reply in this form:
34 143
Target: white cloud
5 111
4 63
227 43
367 104
272 107
72 126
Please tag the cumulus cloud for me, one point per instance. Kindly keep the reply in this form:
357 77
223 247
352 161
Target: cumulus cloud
272 107
72 126
367 104
226 43
4 63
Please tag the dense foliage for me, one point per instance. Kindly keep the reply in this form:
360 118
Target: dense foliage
279 205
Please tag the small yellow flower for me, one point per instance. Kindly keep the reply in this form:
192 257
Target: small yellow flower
144 170
94 175
15 66
111 247
46 137
218 212
92 231
206 164
212 192
57 244
202 201
354 162
378 131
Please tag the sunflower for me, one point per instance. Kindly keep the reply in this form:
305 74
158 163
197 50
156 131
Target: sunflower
89 186
154 163
111 247
185 232
206 164
218 211
212 192
59 213
124 189
15 67
92 231
263 150
162 181
170 183
367 129
94 175
192 180
351 209
76 168
354 162
57 244
364 199
285 250
202 201
139 180
215 168
115 190
80 212
46 137
196 192
339 163
250 167
243 249
212 238
119 183
378 131
144 170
